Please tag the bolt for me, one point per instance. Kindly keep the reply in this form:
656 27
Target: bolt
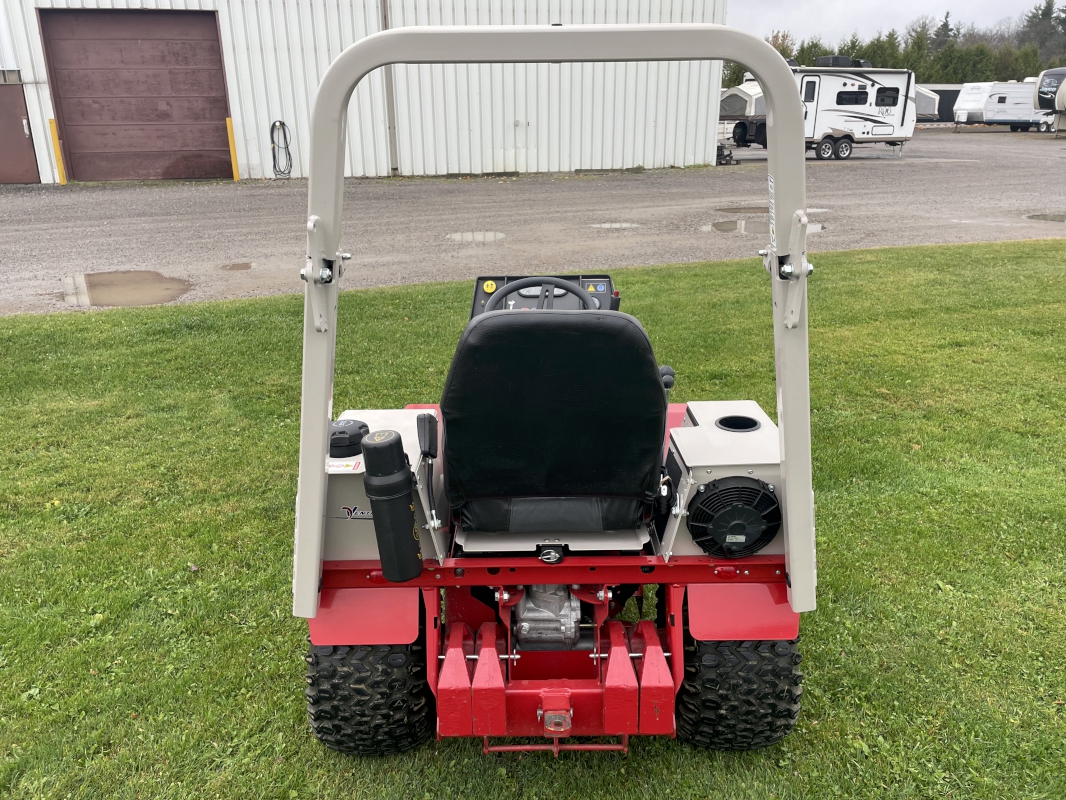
346 256
437 576
778 572
787 270
325 275
599 594
702 488
708 472
764 253
574 586
810 268
506 596
497 596
751 472
460 572
524 627
746 572
770 486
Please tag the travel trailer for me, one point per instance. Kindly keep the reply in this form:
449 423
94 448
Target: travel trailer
843 106
1049 96
1006 103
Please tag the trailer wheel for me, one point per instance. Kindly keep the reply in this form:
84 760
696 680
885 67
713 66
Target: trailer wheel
1014 128
740 134
1042 127
739 695
1025 128
370 700
824 150
843 149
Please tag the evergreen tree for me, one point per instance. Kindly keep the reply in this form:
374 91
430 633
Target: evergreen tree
944 34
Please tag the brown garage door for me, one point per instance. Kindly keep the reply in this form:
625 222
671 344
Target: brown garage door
138 94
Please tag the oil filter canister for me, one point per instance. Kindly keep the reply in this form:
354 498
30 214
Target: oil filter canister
388 483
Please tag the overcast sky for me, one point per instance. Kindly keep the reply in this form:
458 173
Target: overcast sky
833 20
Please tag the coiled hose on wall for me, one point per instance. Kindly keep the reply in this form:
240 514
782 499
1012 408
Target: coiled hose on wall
279 149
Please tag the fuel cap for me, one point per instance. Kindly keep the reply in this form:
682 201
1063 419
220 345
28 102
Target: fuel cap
346 437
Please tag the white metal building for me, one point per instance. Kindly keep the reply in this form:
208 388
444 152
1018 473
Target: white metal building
131 83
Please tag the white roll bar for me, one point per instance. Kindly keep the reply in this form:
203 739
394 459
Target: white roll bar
785 259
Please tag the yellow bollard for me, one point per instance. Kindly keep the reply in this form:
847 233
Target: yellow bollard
60 168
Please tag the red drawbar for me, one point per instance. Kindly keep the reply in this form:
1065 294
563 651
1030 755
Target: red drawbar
656 682
366 616
453 689
719 612
620 690
487 693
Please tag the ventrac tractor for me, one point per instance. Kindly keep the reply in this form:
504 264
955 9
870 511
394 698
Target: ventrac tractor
465 565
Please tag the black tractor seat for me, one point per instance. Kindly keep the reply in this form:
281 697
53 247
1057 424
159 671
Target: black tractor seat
553 421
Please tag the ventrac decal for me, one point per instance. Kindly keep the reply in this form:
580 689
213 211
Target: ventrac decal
354 512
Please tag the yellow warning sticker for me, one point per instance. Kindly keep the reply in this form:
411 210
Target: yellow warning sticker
489 287
591 287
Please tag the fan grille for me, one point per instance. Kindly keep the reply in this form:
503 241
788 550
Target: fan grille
734 517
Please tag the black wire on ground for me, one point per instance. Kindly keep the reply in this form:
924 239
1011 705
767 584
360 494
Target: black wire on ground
279 149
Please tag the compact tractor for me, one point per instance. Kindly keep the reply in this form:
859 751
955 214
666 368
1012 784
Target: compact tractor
464 565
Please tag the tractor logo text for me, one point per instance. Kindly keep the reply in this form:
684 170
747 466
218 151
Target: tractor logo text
354 512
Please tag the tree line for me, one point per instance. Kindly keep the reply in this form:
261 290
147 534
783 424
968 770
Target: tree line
944 51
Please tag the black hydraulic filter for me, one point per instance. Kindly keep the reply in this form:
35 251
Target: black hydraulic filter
388 483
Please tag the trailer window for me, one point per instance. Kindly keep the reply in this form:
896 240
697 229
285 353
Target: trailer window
887 96
853 98
1002 99
808 91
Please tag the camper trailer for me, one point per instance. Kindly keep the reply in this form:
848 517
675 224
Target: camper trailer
843 106
1007 103
1049 96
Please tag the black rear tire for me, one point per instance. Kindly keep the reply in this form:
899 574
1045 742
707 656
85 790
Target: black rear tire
843 149
370 700
739 695
823 151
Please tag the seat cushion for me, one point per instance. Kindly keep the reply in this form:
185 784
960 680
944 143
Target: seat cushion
553 404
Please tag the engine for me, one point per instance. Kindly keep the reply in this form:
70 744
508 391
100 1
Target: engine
547 617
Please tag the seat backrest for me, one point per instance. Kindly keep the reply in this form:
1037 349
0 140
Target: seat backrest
545 405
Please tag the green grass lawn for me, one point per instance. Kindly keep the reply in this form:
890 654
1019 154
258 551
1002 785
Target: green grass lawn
148 471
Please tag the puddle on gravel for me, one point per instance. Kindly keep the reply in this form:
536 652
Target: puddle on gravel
1049 217
476 236
615 225
240 266
745 210
133 288
752 226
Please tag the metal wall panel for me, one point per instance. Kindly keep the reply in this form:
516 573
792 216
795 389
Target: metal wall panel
8 58
449 119
516 117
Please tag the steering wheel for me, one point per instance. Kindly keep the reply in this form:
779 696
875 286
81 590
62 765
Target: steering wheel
547 298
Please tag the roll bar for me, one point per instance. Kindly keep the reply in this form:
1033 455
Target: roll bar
785 259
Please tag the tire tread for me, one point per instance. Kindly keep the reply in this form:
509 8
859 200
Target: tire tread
739 695
367 700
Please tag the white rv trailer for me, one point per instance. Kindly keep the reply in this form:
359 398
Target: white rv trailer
842 108
1049 95
1003 103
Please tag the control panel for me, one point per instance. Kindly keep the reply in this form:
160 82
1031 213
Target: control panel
601 287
